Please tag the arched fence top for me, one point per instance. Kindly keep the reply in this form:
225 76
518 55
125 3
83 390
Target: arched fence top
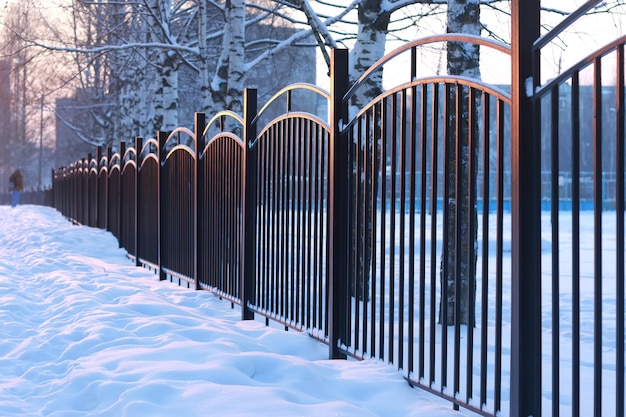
412 48
146 158
223 135
479 85
129 155
92 165
288 91
606 50
290 116
116 160
103 163
149 147
179 147
221 118
173 140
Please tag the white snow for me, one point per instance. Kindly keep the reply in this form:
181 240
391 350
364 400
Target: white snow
83 332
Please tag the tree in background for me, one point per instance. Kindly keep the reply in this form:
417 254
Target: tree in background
28 77
462 60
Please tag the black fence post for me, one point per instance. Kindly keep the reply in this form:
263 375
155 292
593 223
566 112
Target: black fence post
51 201
199 125
96 191
526 212
85 196
338 207
121 202
161 154
138 147
105 223
249 189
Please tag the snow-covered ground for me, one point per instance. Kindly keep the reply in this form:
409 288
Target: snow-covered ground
85 333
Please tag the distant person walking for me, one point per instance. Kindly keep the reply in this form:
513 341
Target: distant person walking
16 185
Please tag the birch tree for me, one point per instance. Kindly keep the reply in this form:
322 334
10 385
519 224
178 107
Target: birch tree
463 59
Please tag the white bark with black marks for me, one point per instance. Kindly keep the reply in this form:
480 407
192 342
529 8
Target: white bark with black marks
463 59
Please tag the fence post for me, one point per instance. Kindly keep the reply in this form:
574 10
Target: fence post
85 196
51 200
199 125
96 191
109 152
338 207
161 139
138 146
121 202
248 260
526 220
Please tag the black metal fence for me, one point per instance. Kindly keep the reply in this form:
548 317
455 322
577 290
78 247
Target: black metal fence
37 196
334 227
595 293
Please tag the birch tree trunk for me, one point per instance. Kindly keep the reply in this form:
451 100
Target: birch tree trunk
373 22
203 71
463 60
167 110
236 68
226 88
368 48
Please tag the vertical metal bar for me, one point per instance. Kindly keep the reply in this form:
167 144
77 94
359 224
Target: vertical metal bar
214 210
443 309
311 213
367 206
375 170
217 158
161 205
273 255
392 226
290 225
401 278
285 235
105 193
433 230
96 190
309 296
356 276
458 237
307 211
300 207
526 220
325 178
261 245
471 216
422 222
266 163
619 206
575 112
338 225
198 207
138 146
413 139
383 230
597 235
554 210
484 303
249 204
238 219
121 230
499 250
284 256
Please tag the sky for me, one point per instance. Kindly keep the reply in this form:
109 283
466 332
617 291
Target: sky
83 332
